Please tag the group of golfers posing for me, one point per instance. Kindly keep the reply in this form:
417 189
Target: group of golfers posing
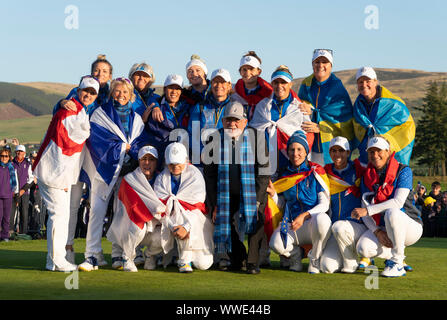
195 171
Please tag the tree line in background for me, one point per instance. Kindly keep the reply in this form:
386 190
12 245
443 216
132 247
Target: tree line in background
430 149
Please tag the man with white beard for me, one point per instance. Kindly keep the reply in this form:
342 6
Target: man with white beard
236 189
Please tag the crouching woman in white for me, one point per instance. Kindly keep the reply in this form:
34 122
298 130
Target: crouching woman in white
137 213
304 195
386 193
181 187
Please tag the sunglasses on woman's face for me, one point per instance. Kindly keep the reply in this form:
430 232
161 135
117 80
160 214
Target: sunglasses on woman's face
4 156
123 79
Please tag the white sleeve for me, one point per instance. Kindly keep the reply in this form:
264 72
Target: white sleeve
279 200
397 202
323 204
17 189
30 175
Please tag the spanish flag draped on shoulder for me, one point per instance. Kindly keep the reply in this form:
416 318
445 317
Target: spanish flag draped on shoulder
274 214
61 153
389 117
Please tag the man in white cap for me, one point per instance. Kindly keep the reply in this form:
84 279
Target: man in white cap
128 229
25 180
331 106
378 112
344 179
387 208
182 188
237 185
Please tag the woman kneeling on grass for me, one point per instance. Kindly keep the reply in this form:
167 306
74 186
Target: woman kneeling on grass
182 188
304 195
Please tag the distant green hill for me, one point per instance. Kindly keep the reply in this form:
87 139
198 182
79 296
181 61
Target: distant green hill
35 101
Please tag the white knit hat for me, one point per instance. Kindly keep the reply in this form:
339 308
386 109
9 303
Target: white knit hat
196 61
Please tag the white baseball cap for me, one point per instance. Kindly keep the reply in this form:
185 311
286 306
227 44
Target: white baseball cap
21 147
250 61
379 143
323 53
225 74
196 62
176 153
89 82
341 142
174 79
366 72
147 149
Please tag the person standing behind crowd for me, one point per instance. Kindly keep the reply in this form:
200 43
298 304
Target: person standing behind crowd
386 195
174 112
57 168
117 133
142 77
236 190
8 188
251 88
101 70
279 116
378 112
25 181
344 180
331 106
196 73
208 114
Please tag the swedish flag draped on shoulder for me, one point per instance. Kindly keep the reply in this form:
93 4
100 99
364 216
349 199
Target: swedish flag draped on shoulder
388 117
332 111
300 197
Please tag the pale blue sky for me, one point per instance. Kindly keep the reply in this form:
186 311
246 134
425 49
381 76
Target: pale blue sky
36 45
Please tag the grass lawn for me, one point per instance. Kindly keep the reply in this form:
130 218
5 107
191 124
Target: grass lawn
28 130
23 276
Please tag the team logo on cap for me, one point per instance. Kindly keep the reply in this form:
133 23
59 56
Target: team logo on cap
174 151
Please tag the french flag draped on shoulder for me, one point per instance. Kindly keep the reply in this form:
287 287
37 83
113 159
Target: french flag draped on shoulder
134 211
60 156
106 147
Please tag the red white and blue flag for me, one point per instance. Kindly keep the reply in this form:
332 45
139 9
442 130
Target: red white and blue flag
61 153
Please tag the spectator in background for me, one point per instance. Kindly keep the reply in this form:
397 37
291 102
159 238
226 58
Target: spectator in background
8 187
25 180
435 192
428 215
420 195
442 217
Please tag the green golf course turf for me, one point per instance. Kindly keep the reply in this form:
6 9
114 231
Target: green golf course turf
23 276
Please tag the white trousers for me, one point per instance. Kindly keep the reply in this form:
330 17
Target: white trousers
340 251
57 202
315 231
98 211
75 203
201 259
402 231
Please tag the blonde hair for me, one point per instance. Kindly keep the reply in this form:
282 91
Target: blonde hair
101 58
284 68
125 82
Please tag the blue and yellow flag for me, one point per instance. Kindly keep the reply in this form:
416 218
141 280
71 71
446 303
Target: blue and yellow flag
389 117
332 111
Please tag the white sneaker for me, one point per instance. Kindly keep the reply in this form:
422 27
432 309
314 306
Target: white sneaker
139 260
393 269
150 263
90 264
117 263
64 267
314 266
70 256
350 269
129 266
185 268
